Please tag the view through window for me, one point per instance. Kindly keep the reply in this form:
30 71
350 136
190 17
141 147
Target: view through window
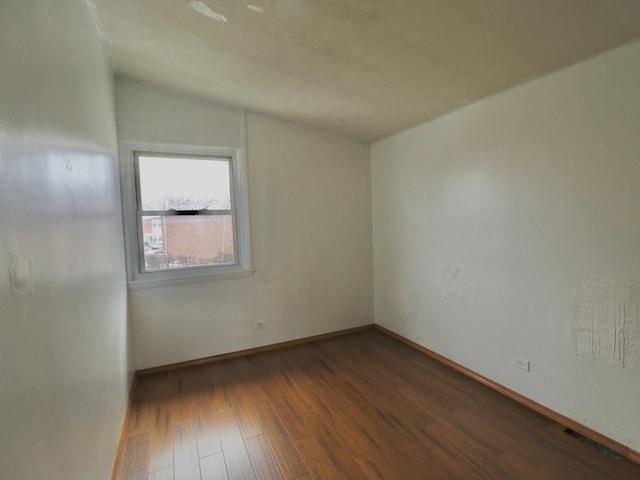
185 209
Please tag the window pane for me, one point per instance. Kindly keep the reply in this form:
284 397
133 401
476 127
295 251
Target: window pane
172 242
184 183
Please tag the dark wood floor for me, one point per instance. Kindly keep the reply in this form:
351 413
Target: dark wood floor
362 406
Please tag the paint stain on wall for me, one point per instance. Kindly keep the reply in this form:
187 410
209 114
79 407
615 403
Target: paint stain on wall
605 321
451 281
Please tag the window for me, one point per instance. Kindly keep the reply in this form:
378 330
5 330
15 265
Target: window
186 214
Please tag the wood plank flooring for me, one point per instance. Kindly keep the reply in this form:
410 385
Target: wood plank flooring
361 406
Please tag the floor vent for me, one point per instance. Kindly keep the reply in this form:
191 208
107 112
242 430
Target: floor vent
593 443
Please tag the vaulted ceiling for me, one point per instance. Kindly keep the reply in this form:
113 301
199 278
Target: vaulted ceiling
363 68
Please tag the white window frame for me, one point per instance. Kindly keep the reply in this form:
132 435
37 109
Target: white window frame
134 235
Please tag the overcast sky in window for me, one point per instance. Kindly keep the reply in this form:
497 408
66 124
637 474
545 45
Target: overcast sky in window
204 181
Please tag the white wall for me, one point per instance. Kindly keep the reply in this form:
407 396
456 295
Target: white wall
310 208
502 228
63 331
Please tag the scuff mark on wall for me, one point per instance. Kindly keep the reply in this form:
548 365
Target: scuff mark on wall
291 8
451 281
605 323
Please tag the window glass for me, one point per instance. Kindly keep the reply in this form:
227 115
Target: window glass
189 241
185 212
176 183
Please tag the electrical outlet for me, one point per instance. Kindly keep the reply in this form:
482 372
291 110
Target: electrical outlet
522 363
261 324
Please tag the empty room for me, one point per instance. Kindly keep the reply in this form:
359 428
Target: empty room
313 240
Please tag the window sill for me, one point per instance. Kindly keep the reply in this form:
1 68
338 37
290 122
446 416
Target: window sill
169 281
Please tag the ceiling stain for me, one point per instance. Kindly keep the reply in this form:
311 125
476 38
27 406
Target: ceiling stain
255 8
203 9
291 8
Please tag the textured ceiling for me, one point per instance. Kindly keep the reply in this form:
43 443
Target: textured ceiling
363 68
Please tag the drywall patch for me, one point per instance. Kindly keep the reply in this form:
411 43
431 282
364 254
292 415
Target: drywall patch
203 9
605 321
451 281
20 273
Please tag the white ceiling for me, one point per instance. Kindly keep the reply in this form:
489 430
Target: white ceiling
363 68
